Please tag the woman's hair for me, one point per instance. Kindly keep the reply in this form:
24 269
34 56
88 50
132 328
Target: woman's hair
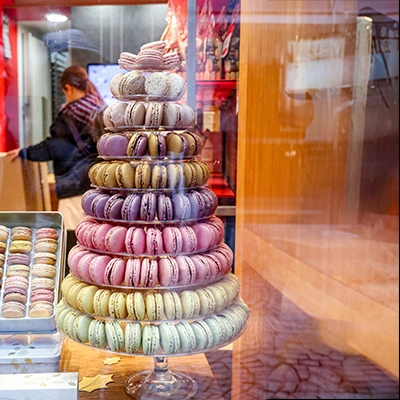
77 77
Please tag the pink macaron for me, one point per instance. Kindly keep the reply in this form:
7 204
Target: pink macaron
154 241
172 240
189 239
42 295
135 240
132 272
115 272
187 270
99 234
148 273
205 236
84 266
203 268
46 233
115 239
97 268
168 271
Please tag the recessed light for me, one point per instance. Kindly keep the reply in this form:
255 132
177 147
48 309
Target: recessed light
56 17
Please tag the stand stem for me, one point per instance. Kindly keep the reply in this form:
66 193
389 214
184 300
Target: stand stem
160 383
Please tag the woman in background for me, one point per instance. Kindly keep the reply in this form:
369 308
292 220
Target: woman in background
71 145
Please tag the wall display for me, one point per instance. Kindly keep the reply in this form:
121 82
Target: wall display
150 273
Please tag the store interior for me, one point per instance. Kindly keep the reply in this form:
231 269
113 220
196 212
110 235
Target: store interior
300 134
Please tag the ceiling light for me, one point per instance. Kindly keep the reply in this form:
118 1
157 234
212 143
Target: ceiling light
56 17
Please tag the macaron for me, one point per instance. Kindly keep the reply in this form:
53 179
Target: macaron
175 177
101 301
142 175
80 328
187 338
217 328
154 114
135 240
21 233
135 114
165 209
133 337
19 270
189 239
132 272
113 207
190 304
172 239
150 339
187 270
44 271
45 258
97 268
131 207
168 271
148 272
177 86
115 271
131 83
42 295
203 334
154 305
114 116
40 309
18 258
85 299
46 233
117 305
13 309
181 206
125 175
137 146
154 241
176 145
97 334
42 283
20 246
207 301
115 239
46 245
169 338
157 84
172 305
157 145
4 233
159 177
148 206
135 305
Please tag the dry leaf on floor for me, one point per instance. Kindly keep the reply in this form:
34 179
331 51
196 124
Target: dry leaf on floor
95 382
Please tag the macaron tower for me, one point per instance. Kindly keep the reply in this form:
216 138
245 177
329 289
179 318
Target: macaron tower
150 273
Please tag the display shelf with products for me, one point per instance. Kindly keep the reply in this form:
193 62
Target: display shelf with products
150 274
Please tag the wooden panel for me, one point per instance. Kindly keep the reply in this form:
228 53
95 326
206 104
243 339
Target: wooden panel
292 167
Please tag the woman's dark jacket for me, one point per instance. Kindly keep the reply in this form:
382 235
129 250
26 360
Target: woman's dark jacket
70 164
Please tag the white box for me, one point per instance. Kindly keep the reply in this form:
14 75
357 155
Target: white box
30 353
56 386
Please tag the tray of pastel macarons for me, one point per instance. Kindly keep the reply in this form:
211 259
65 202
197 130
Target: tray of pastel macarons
33 258
152 321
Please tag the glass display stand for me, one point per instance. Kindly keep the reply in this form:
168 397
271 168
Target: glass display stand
160 383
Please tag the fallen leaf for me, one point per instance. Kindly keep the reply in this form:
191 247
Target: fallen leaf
111 361
95 382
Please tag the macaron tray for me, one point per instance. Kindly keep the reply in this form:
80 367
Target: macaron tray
32 262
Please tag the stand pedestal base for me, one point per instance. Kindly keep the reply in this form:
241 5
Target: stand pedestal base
160 383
